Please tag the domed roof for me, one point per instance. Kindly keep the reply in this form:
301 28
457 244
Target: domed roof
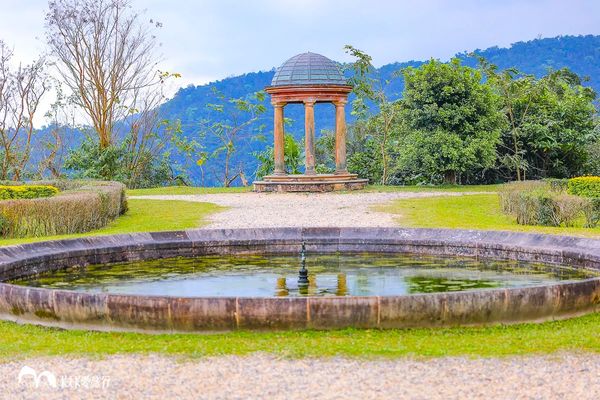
308 69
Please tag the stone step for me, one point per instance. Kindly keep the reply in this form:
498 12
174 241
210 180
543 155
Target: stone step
310 186
310 178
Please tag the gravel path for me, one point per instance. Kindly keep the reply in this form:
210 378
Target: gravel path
262 210
259 376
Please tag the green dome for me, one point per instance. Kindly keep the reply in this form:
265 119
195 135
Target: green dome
308 69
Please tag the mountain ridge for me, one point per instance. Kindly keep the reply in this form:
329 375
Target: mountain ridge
580 53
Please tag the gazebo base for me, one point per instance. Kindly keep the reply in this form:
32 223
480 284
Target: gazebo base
310 183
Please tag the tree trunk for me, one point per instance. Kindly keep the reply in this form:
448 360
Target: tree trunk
450 177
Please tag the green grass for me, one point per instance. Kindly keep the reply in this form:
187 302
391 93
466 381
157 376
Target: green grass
145 216
577 334
481 211
175 190
439 188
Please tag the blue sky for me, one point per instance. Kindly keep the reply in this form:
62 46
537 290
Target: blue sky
207 40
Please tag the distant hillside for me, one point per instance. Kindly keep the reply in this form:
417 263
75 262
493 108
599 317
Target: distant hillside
579 53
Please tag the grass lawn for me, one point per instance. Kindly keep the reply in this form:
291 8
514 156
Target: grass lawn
145 216
439 188
480 211
577 334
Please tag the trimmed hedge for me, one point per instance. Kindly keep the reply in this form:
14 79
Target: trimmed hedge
81 206
26 191
586 186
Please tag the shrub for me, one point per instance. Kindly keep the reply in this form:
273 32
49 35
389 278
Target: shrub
511 194
26 191
592 213
81 206
544 203
586 186
567 208
557 185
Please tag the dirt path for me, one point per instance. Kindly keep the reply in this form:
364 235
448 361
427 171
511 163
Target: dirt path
259 377
246 210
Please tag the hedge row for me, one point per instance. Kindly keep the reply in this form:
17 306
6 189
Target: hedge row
26 191
550 203
81 206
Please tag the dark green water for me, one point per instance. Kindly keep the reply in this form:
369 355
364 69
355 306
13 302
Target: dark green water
329 275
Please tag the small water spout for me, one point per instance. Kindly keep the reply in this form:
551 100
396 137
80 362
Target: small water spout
303 272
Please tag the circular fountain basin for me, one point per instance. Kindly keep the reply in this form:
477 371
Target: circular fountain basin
219 280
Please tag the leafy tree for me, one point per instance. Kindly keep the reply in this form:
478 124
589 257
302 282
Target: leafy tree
234 123
292 153
138 169
453 120
592 165
560 126
550 121
368 89
517 94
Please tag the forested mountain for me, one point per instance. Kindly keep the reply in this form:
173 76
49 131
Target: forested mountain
579 53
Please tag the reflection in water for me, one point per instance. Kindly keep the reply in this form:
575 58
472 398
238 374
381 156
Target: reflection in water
342 286
329 275
281 290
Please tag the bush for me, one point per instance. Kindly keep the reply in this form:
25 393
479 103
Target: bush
544 203
137 169
26 191
557 185
592 213
511 194
567 208
80 207
586 186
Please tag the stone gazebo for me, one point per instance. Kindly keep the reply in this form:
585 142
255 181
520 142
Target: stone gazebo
309 78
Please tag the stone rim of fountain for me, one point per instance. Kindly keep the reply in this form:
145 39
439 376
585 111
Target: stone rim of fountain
100 311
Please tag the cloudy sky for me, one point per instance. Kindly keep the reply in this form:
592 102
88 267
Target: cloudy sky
206 40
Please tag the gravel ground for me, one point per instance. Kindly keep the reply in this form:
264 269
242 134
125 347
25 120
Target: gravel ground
263 210
563 376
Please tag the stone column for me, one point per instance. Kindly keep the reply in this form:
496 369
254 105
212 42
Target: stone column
340 137
309 136
278 142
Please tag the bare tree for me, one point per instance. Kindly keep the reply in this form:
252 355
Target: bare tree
53 148
20 94
106 57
